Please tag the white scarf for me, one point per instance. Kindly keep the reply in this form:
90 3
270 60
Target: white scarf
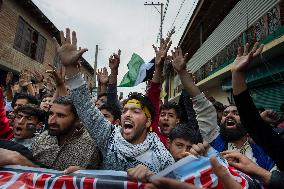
160 156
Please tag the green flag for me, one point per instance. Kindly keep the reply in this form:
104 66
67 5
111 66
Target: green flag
133 69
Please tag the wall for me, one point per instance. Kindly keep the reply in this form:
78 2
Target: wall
218 94
10 58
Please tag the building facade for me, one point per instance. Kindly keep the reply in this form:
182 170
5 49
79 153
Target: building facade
26 40
212 46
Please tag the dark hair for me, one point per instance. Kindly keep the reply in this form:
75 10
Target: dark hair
30 98
171 105
65 100
144 101
186 132
231 104
46 95
102 94
218 106
113 109
32 110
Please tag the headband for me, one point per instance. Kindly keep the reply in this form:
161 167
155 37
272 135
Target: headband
139 104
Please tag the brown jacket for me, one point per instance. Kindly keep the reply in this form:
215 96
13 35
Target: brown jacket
79 150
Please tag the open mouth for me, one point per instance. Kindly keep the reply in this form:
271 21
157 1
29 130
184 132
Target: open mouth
45 106
18 131
230 123
128 127
164 125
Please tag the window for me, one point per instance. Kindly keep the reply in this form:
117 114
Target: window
56 60
29 41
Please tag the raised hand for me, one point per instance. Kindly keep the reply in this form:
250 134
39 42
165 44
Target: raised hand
240 66
269 116
161 53
25 78
114 60
49 85
38 77
99 73
68 52
243 58
9 78
104 76
179 61
57 75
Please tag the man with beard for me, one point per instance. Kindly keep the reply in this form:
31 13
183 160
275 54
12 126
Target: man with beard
66 143
125 147
232 135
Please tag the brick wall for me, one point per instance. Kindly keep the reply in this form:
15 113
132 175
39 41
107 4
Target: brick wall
10 58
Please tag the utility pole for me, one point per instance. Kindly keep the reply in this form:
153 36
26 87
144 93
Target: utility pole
95 66
161 13
95 70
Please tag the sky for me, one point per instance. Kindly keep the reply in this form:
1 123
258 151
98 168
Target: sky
128 25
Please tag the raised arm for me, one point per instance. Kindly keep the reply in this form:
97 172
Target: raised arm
206 113
114 62
104 79
58 77
261 132
154 88
98 127
188 112
25 81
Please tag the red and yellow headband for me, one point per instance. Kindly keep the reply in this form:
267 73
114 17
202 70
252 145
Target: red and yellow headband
139 104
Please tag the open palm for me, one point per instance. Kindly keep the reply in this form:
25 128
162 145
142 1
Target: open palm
162 51
178 61
104 78
243 58
68 53
114 60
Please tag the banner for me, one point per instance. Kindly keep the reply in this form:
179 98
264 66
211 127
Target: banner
193 170
198 171
21 177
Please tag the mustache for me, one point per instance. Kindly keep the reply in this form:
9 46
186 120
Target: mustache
54 125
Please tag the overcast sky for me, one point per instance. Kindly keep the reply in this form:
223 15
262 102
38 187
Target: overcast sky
114 24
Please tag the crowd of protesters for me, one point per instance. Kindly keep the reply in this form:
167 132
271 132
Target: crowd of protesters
54 122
